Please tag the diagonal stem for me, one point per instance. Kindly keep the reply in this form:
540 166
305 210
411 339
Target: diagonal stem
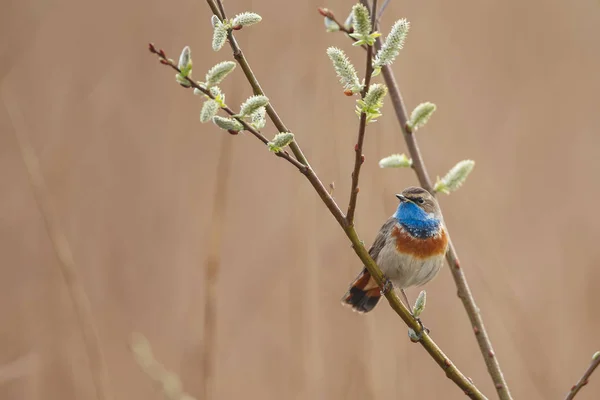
585 378
358 154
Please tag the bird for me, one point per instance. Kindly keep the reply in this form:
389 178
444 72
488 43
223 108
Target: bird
409 249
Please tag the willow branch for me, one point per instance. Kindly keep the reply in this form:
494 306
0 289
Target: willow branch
193 84
585 378
359 158
218 10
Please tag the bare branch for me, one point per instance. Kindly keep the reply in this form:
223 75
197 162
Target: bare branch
585 378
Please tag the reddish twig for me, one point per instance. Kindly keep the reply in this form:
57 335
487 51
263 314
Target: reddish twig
168 62
585 378
359 158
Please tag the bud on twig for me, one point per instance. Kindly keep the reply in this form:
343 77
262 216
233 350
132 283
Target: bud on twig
258 118
362 26
246 19
344 70
420 304
229 124
455 177
252 105
185 61
330 25
392 45
216 74
209 110
372 102
395 161
219 34
280 140
420 116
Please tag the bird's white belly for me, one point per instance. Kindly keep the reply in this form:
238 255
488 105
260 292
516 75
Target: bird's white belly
405 270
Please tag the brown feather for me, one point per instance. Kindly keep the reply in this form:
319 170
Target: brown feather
420 248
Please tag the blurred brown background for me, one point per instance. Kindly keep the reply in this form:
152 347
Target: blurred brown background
132 179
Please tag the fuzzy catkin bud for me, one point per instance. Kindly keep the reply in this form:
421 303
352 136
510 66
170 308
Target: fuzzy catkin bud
393 44
216 74
209 110
246 19
219 35
344 70
361 20
280 140
258 118
185 61
395 161
229 124
420 304
420 115
455 177
253 104
375 95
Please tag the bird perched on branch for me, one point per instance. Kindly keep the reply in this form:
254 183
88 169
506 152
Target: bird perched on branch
409 249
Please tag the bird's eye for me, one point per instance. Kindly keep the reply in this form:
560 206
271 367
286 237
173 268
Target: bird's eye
420 201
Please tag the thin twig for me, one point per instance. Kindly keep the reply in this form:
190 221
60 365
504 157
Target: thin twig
382 9
585 378
66 263
359 158
283 154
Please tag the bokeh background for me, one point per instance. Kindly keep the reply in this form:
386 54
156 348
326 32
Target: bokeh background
223 256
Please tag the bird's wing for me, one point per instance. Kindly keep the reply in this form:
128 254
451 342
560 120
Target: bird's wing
381 238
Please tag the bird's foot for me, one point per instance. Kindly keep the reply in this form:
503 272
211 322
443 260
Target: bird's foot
387 286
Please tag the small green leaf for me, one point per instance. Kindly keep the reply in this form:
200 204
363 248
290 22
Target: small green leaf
395 161
596 355
455 177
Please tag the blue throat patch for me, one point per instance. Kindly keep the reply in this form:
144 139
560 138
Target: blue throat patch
416 221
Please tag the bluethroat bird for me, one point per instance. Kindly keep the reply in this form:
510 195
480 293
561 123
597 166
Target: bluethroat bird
409 249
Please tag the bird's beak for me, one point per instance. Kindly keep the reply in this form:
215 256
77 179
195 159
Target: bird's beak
401 198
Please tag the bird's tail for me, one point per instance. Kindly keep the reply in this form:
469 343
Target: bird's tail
364 293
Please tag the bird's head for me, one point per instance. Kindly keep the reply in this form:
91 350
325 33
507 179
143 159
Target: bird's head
418 208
